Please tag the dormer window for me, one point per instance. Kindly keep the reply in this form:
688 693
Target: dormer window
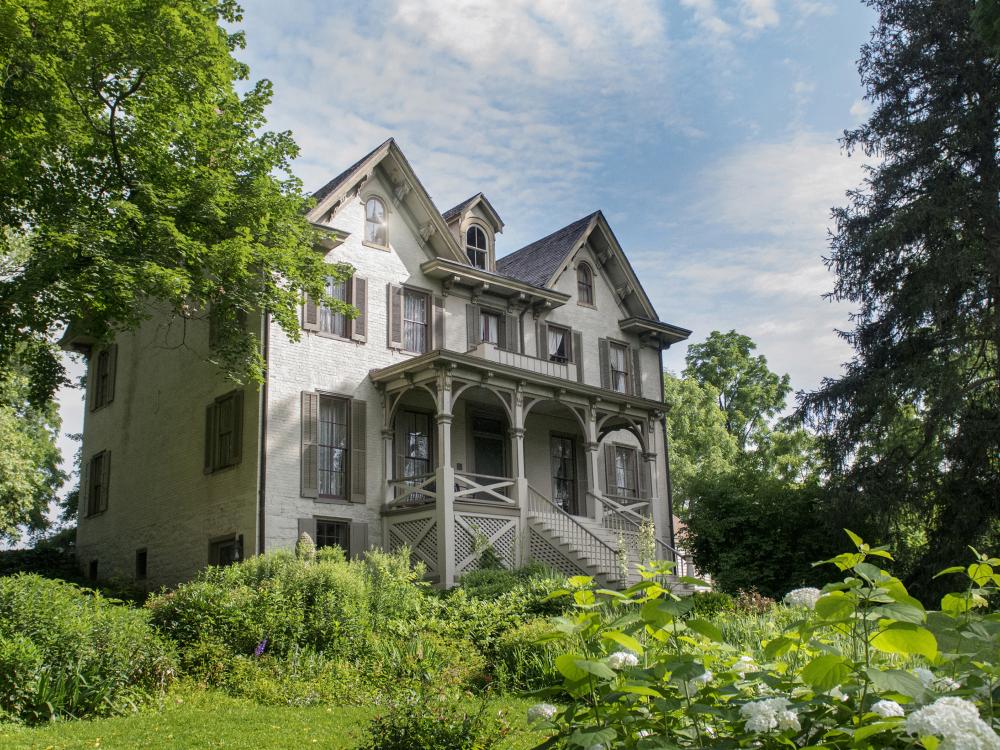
584 284
475 247
375 229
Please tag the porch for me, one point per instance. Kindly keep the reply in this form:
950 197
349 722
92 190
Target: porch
485 453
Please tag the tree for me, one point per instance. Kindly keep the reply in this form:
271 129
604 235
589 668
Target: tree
749 393
139 179
914 422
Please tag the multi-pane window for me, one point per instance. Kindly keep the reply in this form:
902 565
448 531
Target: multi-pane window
475 247
416 312
224 432
98 473
559 344
489 323
619 367
333 534
584 284
375 224
103 387
333 447
626 472
335 323
414 430
225 551
564 473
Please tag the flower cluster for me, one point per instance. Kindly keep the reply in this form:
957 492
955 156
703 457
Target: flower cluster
956 722
541 712
932 682
806 597
887 709
620 659
743 665
768 715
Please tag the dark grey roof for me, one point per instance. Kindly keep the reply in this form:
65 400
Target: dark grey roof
535 263
337 181
451 213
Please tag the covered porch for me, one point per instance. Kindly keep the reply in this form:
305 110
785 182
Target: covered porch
517 458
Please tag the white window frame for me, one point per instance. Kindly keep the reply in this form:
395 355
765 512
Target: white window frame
385 224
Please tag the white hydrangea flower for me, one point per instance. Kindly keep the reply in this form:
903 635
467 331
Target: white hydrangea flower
947 684
837 694
887 709
620 659
933 682
541 712
956 722
768 715
743 665
695 684
925 675
806 597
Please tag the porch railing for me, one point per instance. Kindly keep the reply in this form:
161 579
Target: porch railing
493 353
627 520
483 487
412 491
590 546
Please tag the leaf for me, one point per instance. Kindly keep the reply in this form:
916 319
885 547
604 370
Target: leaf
578 582
623 640
777 647
896 681
834 606
692 581
868 571
907 639
705 628
596 668
826 672
566 664
872 729
854 538
593 738
980 573
641 690
952 569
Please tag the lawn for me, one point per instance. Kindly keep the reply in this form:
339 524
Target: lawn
208 719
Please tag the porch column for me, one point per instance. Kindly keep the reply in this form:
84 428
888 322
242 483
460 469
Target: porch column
656 512
444 508
389 465
521 495
593 447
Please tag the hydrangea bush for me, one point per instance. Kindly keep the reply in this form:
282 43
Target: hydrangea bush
863 665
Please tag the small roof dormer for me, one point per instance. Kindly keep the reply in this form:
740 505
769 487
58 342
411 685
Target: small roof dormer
474 224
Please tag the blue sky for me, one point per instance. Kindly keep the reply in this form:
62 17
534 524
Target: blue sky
706 130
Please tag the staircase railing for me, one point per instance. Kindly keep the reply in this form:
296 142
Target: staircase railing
620 519
591 546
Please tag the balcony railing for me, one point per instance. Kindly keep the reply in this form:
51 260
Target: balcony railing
493 353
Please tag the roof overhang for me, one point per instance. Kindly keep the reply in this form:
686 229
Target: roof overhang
479 281
665 333
329 237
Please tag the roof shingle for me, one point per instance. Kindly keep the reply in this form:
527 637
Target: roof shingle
337 181
454 211
535 263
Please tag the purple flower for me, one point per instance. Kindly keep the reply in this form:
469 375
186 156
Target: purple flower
259 651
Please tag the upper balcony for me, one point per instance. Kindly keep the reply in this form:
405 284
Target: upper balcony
493 353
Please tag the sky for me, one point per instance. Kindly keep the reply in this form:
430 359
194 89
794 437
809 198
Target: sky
706 130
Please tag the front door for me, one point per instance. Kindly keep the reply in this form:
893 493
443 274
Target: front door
564 474
488 455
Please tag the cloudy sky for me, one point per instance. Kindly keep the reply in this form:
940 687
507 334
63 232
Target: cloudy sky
706 130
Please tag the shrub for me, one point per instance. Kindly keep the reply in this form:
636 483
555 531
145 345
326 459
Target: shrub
301 678
712 603
404 665
521 659
67 652
434 723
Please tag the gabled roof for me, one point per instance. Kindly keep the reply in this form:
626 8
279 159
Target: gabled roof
454 211
341 178
536 263
468 203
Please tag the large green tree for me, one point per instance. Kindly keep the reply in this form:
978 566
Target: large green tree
913 425
140 178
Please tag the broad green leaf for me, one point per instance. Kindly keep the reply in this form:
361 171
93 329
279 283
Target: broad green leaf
596 668
980 573
623 639
834 606
952 569
777 647
705 628
898 611
826 672
868 571
641 690
691 581
592 738
855 538
907 639
578 582
567 666
872 729
896 681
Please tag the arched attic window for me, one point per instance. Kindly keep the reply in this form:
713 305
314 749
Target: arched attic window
476 247
375 225
584 284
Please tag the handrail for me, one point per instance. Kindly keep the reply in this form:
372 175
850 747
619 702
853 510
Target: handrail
465 486
628 518
580 537
411 491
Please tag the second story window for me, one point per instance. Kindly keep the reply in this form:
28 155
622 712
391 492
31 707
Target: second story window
490 324
584 284
331 322
224 432
559 344
415 318
103 388
619 368
475 247
375 225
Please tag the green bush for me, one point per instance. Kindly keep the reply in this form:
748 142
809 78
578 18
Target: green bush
490 583
712 603
521 660
301 678
66 652
434 723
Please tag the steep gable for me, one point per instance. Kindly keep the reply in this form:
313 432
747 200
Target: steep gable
537 263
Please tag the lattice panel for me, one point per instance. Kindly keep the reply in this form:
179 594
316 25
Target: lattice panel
500 532
542 551
420 535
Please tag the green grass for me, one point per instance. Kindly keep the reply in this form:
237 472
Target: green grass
208 719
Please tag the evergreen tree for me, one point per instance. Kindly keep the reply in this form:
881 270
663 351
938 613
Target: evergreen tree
912 428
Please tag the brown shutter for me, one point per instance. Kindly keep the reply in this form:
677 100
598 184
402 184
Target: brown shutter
83 507
644 476
310 447
578 355
437 315
513 337
237 442
109 396
609 469
604 352
473 326
105 480
92 368
310 315
399 446
358 540
359 444
211 412
543 341
307 526
395 311
636 373
359 298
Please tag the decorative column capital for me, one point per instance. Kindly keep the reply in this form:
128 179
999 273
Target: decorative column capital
387 434
648 456
517 432
443 418
590 446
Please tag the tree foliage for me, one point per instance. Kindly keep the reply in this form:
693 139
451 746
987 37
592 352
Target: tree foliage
140 178
912 429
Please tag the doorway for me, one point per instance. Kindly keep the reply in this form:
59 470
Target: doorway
565 489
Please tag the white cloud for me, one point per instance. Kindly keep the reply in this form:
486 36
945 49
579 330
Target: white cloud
706 15
759 14
860 110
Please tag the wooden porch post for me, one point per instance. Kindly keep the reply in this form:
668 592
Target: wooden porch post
444 508
520 477
594 468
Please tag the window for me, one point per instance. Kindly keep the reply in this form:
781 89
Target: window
98 475
564 473
475 247
140 564
224 432
104 377
413 435
225 551
333 447
559 344
375 225
415 315
335 323
92 571
626 476
489 327
584 284
333 534
619 368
